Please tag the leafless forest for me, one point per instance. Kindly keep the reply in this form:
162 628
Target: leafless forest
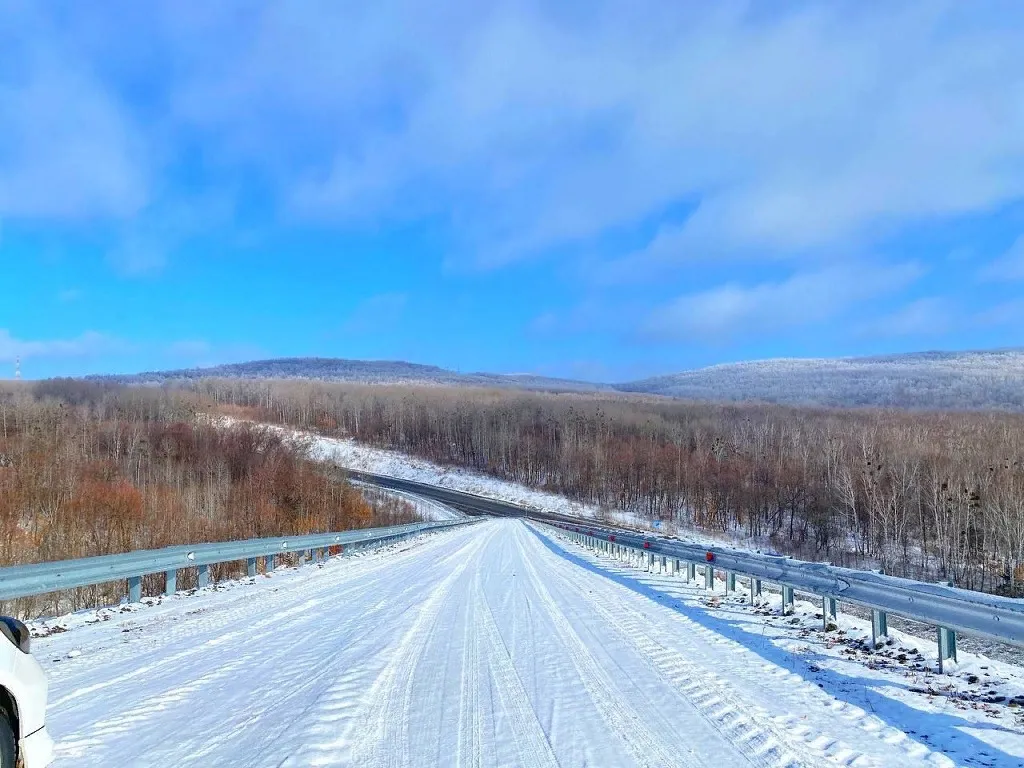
89 470
924 495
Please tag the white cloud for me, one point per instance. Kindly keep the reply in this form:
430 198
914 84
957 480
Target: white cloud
1006 314
88 344
805 299
794 129
384 310
190 349
1009 266
525 126
135 255
69 149
145 244
929 316
202 353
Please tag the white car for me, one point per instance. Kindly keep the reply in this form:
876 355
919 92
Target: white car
23 737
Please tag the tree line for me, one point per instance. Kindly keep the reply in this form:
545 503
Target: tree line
918 494
90 469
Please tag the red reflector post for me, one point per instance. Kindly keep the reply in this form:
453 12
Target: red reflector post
611 538
647 545
710 557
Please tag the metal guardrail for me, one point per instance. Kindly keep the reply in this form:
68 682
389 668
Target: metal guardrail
949 609
41 578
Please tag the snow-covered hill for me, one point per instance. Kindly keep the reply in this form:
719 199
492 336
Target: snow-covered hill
940 380
956 380
358 371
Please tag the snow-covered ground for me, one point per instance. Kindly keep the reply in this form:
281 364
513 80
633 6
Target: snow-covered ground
353 455
497 643
975 715
427 509
350 454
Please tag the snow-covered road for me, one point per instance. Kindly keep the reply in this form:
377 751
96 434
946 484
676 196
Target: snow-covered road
486 645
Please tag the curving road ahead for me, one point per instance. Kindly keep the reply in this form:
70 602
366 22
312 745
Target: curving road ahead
489 645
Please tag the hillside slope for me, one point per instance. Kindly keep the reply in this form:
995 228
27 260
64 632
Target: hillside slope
938 380
920 380
357 371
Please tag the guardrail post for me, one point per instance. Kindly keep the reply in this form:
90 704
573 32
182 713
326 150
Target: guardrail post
135 589
663 565
204 576
268 563
755 589
675 566
947 646
879 626
730 582
170 582
691 572
709 576
788 600
250 567
829 611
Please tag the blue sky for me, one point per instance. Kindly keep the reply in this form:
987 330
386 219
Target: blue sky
603 190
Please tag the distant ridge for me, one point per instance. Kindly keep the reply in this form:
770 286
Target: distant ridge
944 380
357 371
920 380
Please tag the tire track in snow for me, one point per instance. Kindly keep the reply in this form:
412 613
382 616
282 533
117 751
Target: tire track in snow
471 730
694 672
646 746
266 658
710 697
382 731
276 649
531 741
338 717
223 628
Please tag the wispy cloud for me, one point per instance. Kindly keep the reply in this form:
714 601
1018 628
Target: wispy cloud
929 316
71 149
88 344
743 311
794 129
1007 314
1009 266
202 353
529 128
384 310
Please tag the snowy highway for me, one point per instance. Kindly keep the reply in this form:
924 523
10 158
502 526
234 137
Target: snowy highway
494 644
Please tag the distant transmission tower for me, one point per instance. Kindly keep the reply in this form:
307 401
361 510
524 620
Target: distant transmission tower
17 369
